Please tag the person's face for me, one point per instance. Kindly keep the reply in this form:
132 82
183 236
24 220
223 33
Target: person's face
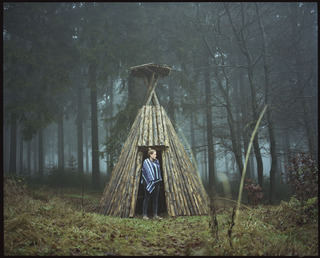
153 155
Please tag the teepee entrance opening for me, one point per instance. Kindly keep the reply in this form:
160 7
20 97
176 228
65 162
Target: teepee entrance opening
162 207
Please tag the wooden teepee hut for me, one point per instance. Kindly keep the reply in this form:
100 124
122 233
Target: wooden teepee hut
181 191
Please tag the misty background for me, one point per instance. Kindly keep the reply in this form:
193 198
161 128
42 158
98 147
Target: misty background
69 99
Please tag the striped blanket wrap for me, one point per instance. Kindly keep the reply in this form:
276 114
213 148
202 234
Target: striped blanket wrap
150 174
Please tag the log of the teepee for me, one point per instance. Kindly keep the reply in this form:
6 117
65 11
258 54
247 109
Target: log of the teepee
127 183
168 171
191 193
181 203
132 183
165 133
184 175
155 127
107 202
130 188
109 191
151 94
183 164
175 186
160 125
146 126
185 190
136 182
150 131
117 171
179 183
166 186
141 127
148 81
122 204
172 187
115 191
174 156
182 187
121 190
198 193
186 163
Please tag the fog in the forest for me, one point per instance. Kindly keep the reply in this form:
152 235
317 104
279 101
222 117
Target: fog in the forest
69 99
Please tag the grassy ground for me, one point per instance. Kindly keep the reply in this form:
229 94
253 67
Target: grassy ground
61 222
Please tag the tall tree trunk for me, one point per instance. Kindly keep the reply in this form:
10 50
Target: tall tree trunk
21 168
53 152
35 155
13 147
234 131
245 119
310 130
94 127
236 147
29 157
241 42
287 150
301 77
109 112
6 147
205 152
40 153
226 162
272 139
61 163
87 148
193 141
79 132
256 146
274 160
211 154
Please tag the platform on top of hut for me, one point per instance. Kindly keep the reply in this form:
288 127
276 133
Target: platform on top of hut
146 70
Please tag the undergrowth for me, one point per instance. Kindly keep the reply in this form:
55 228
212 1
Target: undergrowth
47 222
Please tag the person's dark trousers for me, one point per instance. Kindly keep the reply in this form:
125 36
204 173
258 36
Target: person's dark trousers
154 196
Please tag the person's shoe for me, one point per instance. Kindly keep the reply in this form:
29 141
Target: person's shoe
145 217
157 217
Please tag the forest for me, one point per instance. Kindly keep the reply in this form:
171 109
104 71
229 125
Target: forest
69 101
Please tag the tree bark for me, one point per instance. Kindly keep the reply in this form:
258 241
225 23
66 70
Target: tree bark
241 42
29 157
211 154
109 126
94 127
273 169
79 132
13 147
245 120
61 164
87 148
310 131
296 27
21 168
35 155
6 148
40 153
193 141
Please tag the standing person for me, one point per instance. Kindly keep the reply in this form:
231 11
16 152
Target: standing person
151 178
